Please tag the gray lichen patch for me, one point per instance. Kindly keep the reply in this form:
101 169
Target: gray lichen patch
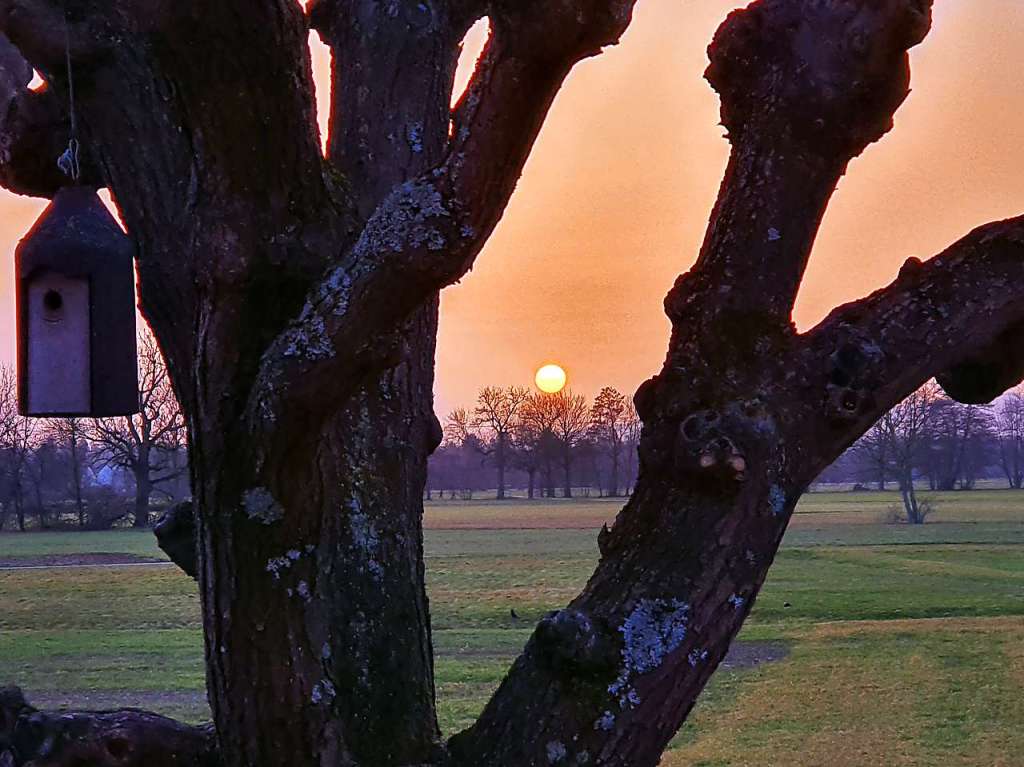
605 722
309 340
408 219
365 539
776 500
414 134
261 506
556 751
277 565
323 692
654 628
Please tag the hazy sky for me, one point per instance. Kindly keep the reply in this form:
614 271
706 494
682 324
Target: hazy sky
614 200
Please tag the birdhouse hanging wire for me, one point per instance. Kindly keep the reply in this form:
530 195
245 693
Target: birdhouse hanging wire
76 303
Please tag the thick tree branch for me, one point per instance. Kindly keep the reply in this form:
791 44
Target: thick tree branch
34 130
175 533
797 112
393 67
427 232
936 317
126 738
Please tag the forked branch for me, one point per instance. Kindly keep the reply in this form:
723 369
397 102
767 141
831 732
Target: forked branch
427 232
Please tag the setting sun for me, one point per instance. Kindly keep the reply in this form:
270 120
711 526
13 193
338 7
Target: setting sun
550 379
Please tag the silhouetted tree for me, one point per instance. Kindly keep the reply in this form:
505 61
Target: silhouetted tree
18 437
295 296
609 428
1010 429
491 424
906 433
72 435
569 425
527 450
958 444
145 444
535 437
873 451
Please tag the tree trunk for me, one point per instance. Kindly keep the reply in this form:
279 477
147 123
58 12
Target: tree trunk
40 506
530 477
567 473
143 490
324 624
79 502
909 495
19 510
499 460
613 488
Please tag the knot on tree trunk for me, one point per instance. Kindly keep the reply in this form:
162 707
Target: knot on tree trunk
776 78
987 372
570 641
852 378
176 534
126 738
715 446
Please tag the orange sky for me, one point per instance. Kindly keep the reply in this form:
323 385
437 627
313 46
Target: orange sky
614 200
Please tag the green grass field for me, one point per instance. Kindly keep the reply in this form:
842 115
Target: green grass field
905 646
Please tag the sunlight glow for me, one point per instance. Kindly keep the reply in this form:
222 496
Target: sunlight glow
550 379
472 46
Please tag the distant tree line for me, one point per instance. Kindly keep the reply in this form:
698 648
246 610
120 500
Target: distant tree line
547 444
88 473
929 440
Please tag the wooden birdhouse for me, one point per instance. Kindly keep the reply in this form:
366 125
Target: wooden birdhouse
76 312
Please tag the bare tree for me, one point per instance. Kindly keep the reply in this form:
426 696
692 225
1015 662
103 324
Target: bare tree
631 437
527 451
496 413
18 437
1010 429
906 432
146 444
491 424
72 434
535 437
40 468
959 441
569 426
873 451
295 296
609 427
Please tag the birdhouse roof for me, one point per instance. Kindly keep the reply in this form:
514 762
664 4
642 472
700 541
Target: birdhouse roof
75 235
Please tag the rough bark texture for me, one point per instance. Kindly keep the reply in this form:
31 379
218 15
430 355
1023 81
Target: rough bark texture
127 737
295 299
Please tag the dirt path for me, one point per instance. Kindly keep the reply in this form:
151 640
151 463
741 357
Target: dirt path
103 701
47 561
750 654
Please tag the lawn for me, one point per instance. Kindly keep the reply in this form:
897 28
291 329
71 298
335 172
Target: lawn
901 646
